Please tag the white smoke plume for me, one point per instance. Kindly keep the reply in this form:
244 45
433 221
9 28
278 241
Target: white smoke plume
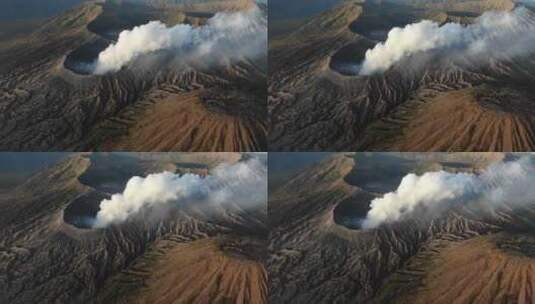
225 36
506 182
492 34
243 183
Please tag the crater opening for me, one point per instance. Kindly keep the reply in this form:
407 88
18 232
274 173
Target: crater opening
348 60
82 60
375 174
351 212
114 19
81 212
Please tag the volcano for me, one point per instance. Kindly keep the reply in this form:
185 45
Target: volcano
319 251
186 253
52 99
320 99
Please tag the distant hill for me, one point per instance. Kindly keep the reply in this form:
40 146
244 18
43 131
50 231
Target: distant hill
28 161
30 9
196 5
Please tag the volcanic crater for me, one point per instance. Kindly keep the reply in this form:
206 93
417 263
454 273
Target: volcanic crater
106 28
348 60
351 212
126 263
140 107
397 109
413 260
82 211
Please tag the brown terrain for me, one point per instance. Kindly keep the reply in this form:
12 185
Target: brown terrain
175 275
433 104
478 118
48 253
48 102
181 122
498 269
318 253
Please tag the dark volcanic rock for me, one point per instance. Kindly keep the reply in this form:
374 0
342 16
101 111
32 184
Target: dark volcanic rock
317 100
49 102
45 257
313 257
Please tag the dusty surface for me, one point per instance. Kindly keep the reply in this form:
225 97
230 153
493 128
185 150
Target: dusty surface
46 256
180 121
489 274
313 70
474 119
47 103
460 256
171 272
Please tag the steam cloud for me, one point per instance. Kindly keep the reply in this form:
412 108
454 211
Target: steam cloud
505 182
492 34
243 183
228 36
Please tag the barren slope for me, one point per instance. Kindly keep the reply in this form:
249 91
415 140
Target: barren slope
48 103
170 271
313 71
496 269
471 119
319 253
48 254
